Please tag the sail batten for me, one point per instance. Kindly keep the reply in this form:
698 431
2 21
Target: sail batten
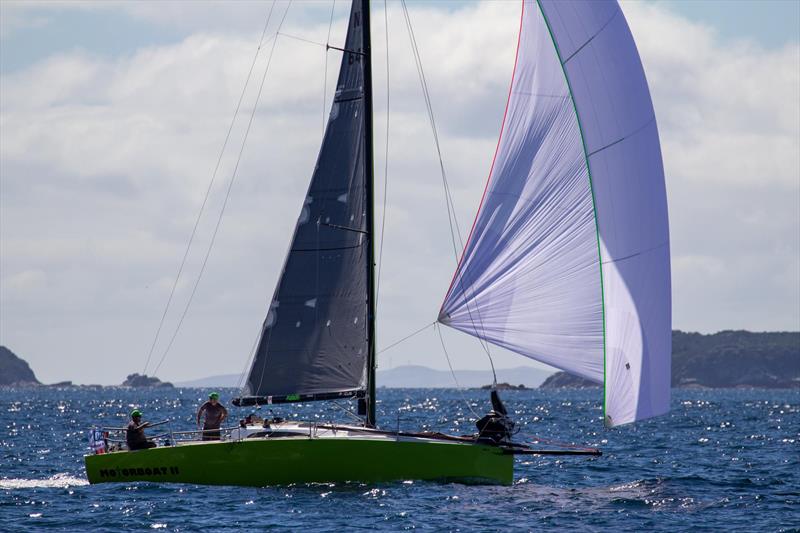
568 260
314 342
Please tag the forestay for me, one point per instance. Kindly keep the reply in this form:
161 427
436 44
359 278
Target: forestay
314 339
568 258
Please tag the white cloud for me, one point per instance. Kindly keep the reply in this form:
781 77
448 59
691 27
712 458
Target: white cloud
729 120
105 161
717 101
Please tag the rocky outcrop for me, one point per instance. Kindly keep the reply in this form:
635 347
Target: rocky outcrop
562 380
14 370
140 380
505 386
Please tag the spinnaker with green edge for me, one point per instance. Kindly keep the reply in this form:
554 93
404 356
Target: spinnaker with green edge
568 258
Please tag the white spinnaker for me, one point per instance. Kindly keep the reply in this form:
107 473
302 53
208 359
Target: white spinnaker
530 278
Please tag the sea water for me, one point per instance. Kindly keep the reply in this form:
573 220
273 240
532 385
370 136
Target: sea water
721 460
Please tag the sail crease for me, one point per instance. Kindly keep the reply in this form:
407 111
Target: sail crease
314 341
568 259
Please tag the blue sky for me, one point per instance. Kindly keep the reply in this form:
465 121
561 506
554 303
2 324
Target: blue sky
770 23
98 32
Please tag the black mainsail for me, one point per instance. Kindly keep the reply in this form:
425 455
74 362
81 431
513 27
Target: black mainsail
317 339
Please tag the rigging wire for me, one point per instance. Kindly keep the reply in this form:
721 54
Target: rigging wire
303 39
227 193
385 163
451 217
420 330
346 411
208 190
451 214
325 77
453 373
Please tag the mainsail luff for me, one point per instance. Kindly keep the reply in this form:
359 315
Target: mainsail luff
316 338
370 208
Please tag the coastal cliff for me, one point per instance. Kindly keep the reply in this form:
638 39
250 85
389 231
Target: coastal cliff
736 359
14 370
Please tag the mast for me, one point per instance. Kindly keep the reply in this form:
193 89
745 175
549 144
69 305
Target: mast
369 179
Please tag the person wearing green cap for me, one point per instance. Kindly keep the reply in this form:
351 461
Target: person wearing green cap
134 435
215 415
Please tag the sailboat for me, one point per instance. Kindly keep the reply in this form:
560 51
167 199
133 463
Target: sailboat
567 263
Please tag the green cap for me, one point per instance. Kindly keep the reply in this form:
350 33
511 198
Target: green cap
136 413
213 396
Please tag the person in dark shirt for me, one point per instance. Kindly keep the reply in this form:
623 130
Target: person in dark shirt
215 415
134 435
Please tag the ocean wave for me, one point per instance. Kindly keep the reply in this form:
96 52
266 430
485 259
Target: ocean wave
58 481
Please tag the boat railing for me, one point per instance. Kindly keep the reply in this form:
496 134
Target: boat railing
111 439
198 434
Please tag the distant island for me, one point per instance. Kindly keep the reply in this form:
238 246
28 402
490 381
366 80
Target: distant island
141 380
505 386
15 372
562 380
728 359
736 359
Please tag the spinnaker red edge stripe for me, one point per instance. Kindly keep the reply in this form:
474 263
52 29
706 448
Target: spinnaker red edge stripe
491 169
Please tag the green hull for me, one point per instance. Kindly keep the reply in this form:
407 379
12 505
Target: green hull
261 462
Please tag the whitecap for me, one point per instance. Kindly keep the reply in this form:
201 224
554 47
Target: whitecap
57 481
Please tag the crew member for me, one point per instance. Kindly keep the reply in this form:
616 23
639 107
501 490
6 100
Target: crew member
215 415
134 435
